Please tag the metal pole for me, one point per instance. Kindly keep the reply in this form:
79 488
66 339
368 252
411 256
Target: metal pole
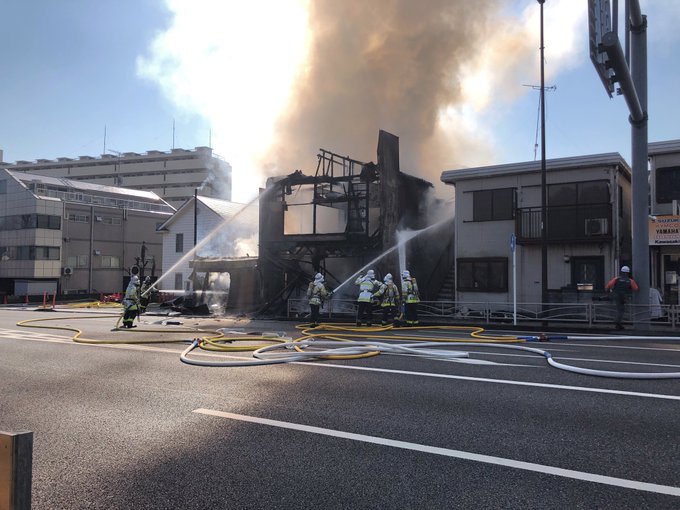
514 288
195 216
639 143
544 226
91 255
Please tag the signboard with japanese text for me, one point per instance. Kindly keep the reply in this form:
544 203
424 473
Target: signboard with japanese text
664 230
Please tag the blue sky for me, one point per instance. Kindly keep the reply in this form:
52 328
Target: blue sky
72 68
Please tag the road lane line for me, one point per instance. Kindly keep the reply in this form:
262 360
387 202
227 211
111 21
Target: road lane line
502 381
458 454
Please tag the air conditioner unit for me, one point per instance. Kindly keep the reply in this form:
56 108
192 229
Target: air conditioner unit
67 271
596 226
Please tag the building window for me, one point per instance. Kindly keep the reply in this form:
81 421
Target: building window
578 210
578 193
483 274
77 261
30 221
178 281
179 245
110 261
3 187
108 220
667 184
48 222
79 218
30 253
493 204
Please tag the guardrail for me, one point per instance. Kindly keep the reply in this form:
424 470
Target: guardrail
602 312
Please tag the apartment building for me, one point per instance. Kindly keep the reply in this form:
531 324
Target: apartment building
66 236
173 175
498 210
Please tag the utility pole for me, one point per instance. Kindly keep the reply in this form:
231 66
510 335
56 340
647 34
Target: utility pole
544 222
613 66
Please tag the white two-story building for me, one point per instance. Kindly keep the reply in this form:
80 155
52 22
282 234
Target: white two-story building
588 228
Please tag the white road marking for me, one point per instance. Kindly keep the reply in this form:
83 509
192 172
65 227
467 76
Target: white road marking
18 334
504 381
627 347
564 358
458 454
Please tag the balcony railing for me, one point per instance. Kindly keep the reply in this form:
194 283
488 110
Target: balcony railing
582 223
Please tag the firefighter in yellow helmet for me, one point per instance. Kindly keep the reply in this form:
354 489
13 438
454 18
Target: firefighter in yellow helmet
389 296
409 291
131 299
367 286
316 293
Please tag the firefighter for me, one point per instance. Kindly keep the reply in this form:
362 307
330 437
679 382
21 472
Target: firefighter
367 286
131 299
389 299
144 295
621 287
409 291
316 293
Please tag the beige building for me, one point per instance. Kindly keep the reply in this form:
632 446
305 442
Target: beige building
74 237
173 175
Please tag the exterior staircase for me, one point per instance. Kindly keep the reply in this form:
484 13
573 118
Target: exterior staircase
448 289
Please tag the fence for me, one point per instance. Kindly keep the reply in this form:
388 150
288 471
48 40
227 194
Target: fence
590 314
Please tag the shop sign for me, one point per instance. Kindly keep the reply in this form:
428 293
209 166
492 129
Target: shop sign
664 230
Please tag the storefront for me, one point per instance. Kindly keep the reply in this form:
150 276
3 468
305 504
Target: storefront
664 242
664 221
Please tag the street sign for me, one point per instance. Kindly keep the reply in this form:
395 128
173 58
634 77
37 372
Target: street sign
513 242
600 23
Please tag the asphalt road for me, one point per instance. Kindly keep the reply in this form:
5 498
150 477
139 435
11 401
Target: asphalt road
132 427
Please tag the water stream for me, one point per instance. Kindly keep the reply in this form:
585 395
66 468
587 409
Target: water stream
203 242
403 237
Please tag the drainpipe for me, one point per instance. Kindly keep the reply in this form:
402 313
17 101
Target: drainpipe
91 255
195 215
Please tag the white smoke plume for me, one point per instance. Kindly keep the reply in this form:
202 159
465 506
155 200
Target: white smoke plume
277 79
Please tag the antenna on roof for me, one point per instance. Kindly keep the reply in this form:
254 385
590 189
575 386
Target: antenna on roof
104 151
538 115
173 133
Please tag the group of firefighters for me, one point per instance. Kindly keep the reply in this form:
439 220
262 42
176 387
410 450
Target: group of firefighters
393 301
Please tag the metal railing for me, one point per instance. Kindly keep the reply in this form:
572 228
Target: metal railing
590 314
590 222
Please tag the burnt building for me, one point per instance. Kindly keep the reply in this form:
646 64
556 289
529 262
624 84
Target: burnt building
348 214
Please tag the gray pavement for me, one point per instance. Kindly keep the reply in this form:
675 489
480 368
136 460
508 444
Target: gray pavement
130 426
